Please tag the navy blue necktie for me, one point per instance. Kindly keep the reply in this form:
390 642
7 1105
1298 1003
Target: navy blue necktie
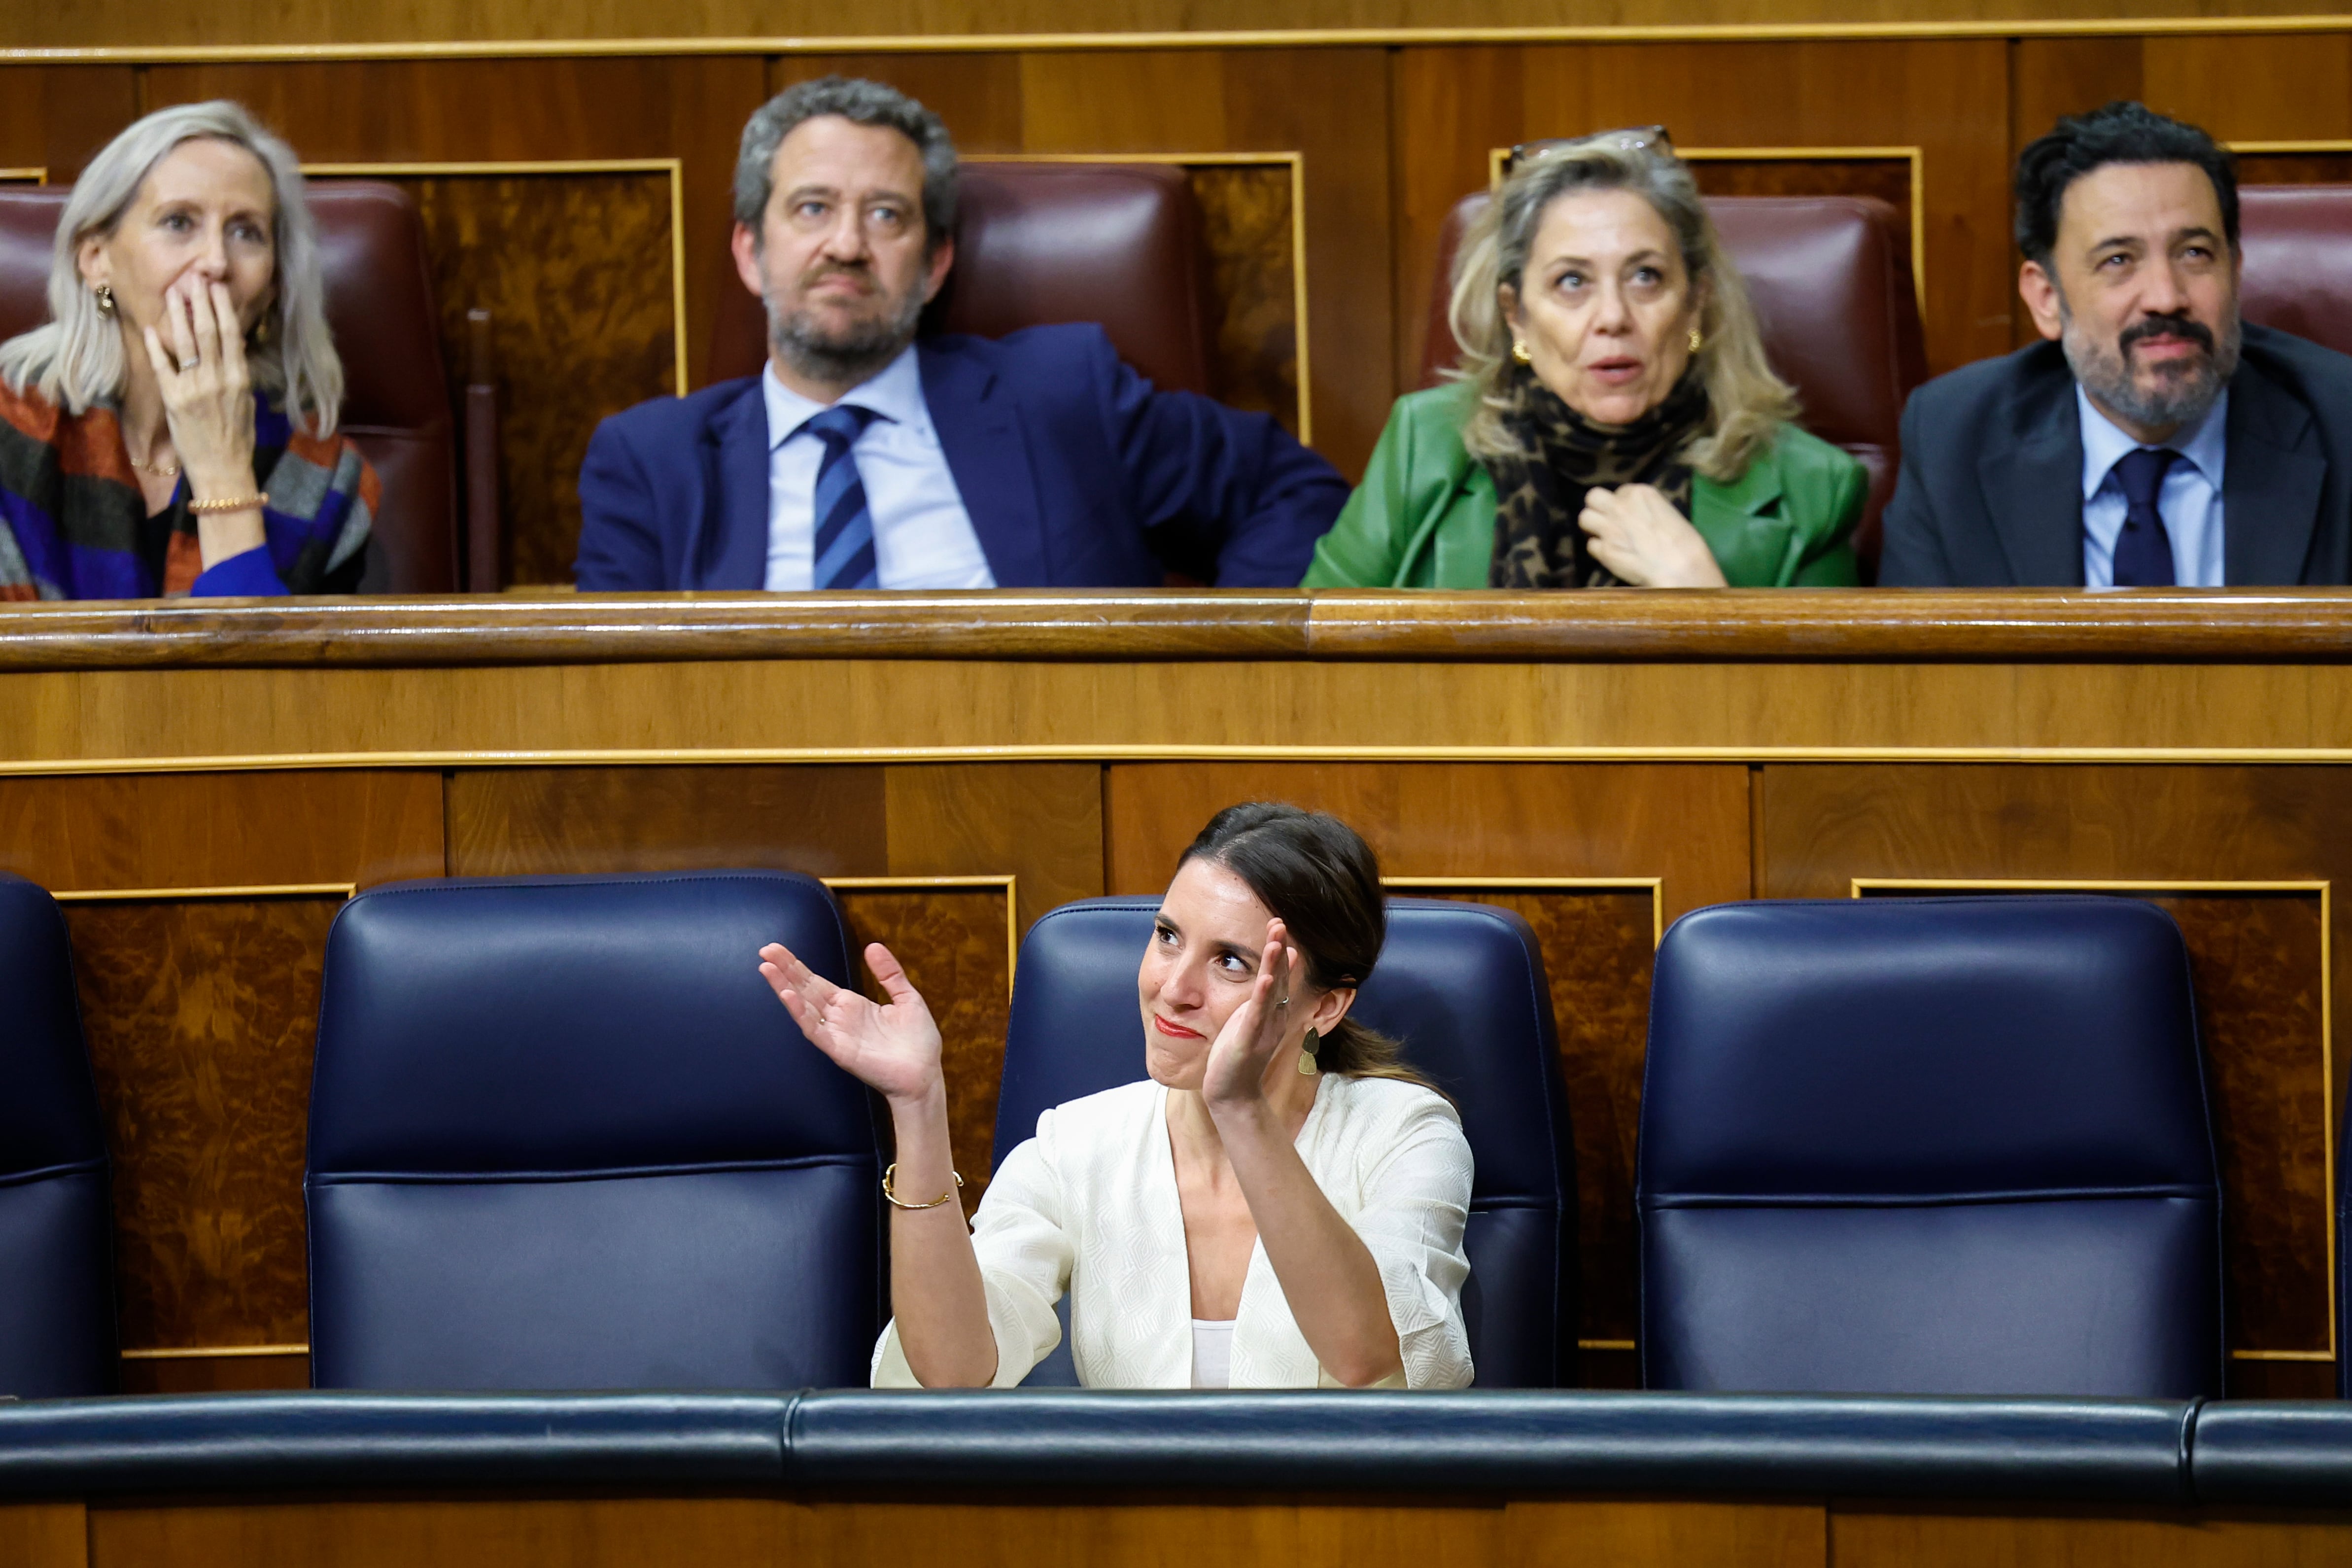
2143 550
844 555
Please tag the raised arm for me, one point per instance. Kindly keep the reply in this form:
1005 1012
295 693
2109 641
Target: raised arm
1327 1274
935 1285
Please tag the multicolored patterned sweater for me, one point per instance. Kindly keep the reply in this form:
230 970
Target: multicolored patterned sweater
74 524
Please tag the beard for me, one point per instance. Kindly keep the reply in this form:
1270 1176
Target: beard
2184 390
847 355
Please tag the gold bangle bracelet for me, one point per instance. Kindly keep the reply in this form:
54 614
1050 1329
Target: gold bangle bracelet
234 503
897 1202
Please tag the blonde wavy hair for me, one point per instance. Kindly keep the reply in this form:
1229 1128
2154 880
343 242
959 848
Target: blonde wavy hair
76 358
1747 404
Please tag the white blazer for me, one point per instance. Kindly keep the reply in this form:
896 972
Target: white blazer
1089 1205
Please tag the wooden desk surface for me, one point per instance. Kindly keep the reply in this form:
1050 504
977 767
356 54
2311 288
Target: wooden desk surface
202 784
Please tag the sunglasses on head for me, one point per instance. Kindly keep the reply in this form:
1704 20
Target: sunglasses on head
1633 139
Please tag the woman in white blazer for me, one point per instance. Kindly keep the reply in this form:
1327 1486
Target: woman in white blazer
1280 1204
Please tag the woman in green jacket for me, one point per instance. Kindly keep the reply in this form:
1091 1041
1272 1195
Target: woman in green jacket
1614 420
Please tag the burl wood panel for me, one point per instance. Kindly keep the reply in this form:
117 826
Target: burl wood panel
1597 952
200 1016
952 944
1245 210
577 271
2255 958
2180 1540
93 833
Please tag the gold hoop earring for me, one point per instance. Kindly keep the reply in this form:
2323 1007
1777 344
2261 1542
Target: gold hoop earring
1307 1065
105 294
1520 353
1696 342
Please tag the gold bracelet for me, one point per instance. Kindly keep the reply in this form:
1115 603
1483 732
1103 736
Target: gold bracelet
897 1202
235 504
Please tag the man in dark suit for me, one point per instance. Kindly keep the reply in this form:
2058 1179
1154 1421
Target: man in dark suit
861 459
2152 441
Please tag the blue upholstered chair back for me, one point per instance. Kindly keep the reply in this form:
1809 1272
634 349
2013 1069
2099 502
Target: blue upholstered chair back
1462 986
1951 1145
562 1136
57 1289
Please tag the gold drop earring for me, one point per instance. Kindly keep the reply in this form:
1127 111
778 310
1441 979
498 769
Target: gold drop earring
1696 341
1307 1067
1520 353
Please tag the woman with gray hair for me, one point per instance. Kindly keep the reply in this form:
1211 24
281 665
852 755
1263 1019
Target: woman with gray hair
1614 421
172 428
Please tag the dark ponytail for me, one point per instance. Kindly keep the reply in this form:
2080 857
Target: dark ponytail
1318 877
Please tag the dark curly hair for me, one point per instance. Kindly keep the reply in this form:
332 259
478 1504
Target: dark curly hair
2122 132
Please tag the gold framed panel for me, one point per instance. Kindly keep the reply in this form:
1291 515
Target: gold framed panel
1296 162
1005 879
1915 157
1863 885
27 176
675 168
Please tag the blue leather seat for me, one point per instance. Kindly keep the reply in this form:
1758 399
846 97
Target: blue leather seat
1954 1145
57 1248
562 1136
1462 986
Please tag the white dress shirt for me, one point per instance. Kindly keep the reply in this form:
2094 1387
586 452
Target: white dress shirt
923 537
2190 500
1089 1205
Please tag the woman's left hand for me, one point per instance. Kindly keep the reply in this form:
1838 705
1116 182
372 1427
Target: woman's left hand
199 364
1236 1074
1638 534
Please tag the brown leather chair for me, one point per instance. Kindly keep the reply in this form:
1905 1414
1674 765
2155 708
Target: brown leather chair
1041 243
2298 248
1839 318
380 306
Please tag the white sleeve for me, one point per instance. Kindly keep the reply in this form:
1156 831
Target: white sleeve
1024 1266
1416 1203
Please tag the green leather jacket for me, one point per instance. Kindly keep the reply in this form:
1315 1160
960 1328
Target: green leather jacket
1424 515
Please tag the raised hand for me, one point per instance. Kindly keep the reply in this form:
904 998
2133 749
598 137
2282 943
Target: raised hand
1637 533
893 1049
198 358
1255 1030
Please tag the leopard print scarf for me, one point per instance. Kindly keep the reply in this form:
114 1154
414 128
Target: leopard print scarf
1540 488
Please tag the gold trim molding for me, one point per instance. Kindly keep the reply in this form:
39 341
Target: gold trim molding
175 895
214 1353
1861 885
1256 38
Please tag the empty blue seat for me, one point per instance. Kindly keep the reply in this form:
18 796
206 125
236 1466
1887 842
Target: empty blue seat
1462 986
562 1136
57 1289
1944 1145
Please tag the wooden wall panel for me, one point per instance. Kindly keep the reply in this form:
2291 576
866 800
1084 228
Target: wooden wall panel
44 1535
2255 956
1870 1540
56 117
1943 96
201 1015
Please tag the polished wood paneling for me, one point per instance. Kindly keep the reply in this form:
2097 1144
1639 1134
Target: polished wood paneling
56 117
952 944
1456 104
44 1535
1586 1532
200 1016
688 108
575 271
1246 215
2255 956
1863 1539
217 830
214 1374
1041 821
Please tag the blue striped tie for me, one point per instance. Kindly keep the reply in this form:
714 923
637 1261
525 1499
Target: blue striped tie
844 530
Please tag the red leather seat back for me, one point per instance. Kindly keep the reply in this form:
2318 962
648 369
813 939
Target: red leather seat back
2298 248
380 308
1042 243
1839 319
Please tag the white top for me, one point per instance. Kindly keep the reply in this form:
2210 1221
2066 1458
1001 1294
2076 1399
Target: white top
1212 1352
922 535
1089 1205
2189 500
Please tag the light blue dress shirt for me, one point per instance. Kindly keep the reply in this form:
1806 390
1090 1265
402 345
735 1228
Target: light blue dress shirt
923 537
2189 501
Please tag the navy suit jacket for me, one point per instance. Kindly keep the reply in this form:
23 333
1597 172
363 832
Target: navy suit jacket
1991 490
1074 471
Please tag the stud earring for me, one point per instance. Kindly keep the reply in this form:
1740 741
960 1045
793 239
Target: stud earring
105 294
1696 341
261 331
1306 1065
1520 353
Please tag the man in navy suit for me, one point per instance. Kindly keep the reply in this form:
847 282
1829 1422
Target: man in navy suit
862 459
